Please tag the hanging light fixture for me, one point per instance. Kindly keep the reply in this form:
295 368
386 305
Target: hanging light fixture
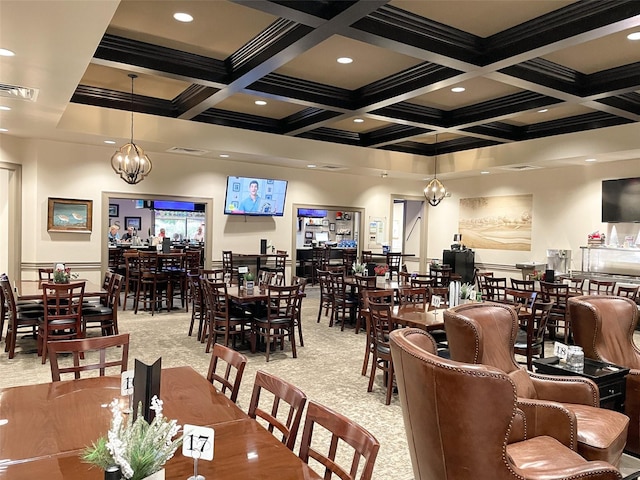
435 191
130 161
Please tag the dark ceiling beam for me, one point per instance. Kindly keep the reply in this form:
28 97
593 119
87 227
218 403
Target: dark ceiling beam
277 60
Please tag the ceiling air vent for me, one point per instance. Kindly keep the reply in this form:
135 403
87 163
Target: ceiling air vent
332 168
187 151
519 168
17 92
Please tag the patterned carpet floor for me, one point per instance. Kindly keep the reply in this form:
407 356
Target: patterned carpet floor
327 369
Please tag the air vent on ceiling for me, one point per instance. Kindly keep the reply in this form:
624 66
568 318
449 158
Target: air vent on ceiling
20 93
331 167
519 168
187 151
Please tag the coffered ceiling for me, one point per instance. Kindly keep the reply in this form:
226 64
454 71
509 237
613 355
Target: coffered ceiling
529 69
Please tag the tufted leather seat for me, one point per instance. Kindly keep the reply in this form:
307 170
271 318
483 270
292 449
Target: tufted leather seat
464 421
485 333
603 327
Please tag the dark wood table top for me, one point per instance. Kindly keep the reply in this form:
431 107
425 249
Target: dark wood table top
48 425
32 289
418 317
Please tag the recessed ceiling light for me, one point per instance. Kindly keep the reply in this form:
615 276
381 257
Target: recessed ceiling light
345 60
634 36
183 17
458 89
484 172
311 165
260 102
358 120
109 142
224 155
543 110
590 160
3 130
6 53
5 108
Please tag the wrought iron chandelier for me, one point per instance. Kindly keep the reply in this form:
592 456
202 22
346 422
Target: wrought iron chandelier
435 191
130 161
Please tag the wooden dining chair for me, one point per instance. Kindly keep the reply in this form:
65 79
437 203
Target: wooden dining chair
629 291
393 262
279 321
601 287
18 318
80 350
235 362
363 283
524 285
495 289
417 296
104 316
223 320
381 326
343 431
326 295
281 394
343 299
301 282
558 295
131 276
372 296
530 339
576 285
62 319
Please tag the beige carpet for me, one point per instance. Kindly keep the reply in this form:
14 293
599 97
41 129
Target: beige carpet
327 370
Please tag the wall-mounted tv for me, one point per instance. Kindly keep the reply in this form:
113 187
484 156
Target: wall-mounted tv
621 200
311 213
255 196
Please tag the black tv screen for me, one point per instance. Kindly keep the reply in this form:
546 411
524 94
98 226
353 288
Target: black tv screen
621 200
255 196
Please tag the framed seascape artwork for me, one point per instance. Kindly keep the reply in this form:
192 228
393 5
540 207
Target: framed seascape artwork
67 215
135 222
114 210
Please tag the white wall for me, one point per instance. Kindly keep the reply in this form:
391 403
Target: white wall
566 201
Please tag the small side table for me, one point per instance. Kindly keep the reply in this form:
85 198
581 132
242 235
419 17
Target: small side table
609 378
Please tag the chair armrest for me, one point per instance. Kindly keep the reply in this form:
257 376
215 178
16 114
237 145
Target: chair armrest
567 389
549 418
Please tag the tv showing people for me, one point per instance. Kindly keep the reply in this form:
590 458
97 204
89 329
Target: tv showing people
255 196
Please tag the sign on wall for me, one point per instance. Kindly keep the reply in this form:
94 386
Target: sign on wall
500 223
376 232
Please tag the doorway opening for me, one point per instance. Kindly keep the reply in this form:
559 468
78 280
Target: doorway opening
408 229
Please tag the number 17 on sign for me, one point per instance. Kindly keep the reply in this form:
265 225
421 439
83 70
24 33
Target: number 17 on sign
197 443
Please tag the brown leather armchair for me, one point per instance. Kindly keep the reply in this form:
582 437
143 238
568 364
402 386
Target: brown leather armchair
464 421
603 327
485 333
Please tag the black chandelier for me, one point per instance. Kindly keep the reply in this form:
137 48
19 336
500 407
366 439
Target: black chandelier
130 161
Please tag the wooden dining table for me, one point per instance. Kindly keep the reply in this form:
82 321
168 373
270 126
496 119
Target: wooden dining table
418 317
46 427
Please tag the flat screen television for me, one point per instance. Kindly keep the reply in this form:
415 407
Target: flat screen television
311 213
322 237
255 196
621 200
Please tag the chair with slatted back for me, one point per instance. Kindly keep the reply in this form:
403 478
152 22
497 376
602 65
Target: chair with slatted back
632 292
558 294
105 316
45 274
343 299
601 287
576 285
173 266
481 282
366 256
523 285
131 276
80 350
152 282
349 256
495 288
372 296
381 326
18 319
198 310
530 339
227 264
443 293
62 319
319 261
364 445
363 283
279 263
393 262
301 282
326 295
283 394
233 360
222 319
279 321
416 296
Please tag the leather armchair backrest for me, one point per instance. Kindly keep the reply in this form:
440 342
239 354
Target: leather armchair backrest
482 333
457 416
603 326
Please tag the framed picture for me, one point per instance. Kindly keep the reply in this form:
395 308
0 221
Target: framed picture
66 215
135 222
325 223
332 227
114 210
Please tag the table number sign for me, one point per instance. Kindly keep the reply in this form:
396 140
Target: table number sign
126 388
560 350
435 301
197 443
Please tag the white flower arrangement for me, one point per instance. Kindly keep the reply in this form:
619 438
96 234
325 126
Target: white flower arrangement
139 448
466 291
359 267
